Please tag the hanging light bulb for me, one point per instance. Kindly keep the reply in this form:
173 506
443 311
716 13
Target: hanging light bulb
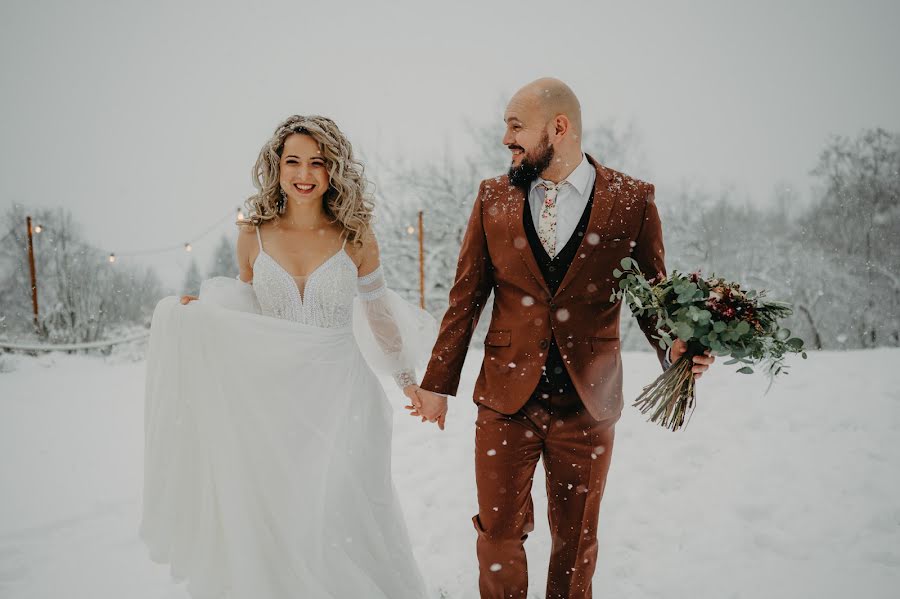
187 247
240 213
410 229
112 258
38 228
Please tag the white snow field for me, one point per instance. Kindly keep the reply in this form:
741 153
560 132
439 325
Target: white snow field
791 495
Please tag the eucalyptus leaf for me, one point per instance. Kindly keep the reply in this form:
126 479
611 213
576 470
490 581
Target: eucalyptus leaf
745 370
684 330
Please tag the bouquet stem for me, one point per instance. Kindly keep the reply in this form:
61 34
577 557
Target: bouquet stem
672 396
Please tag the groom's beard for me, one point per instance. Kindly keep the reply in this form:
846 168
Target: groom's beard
533 164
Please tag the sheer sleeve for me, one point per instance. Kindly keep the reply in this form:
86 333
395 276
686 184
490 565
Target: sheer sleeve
395 336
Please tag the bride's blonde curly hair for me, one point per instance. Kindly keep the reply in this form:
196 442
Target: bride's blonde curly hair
347 199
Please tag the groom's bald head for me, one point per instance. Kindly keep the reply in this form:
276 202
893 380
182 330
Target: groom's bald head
552 98
543 131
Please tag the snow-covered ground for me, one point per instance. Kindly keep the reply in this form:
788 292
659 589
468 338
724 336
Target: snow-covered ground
794 494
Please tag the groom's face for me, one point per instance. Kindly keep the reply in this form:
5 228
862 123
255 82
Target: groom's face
528 141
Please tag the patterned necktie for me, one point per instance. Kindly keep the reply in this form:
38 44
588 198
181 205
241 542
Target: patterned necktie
547 221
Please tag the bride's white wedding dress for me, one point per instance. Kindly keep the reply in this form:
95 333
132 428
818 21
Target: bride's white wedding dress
267 467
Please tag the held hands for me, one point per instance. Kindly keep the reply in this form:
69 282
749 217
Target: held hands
185 299
701 363
426 404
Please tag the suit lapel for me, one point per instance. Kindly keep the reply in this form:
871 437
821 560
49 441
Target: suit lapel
600 212
520 243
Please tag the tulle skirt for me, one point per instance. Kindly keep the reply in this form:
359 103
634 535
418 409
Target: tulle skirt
267 466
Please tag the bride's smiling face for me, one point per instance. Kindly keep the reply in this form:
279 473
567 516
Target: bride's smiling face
304 173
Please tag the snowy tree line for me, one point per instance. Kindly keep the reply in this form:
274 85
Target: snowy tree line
837 259
81 297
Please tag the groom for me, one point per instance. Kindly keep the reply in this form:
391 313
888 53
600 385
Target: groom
544 239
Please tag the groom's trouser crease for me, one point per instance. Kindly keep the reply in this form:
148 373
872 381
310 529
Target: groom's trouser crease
577 451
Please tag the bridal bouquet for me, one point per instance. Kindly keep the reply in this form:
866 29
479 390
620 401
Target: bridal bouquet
706 314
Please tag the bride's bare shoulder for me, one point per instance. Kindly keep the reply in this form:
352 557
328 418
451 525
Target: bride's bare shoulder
246 233
246 241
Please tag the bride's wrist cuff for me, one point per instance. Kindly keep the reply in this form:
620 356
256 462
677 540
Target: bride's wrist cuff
405 378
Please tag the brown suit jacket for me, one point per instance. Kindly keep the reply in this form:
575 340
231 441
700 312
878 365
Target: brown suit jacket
495 256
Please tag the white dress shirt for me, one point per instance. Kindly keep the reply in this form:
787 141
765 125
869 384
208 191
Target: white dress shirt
571 200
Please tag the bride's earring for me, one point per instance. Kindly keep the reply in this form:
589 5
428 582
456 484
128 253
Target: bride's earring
280 205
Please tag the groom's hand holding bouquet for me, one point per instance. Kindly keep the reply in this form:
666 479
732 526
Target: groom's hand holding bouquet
701 362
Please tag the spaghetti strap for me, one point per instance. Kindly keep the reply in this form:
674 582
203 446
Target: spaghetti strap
345 241
258 237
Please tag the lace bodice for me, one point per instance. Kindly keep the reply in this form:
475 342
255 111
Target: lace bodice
326 301
326 298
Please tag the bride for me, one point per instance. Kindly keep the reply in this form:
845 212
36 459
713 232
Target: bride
267 467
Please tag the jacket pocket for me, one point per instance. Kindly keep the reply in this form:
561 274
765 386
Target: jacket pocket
498 338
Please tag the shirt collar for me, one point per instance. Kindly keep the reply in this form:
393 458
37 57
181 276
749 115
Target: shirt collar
578 178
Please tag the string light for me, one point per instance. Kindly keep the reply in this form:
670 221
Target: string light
38 228
410 229
186 246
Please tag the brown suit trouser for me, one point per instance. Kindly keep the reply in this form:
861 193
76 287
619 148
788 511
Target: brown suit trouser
576 451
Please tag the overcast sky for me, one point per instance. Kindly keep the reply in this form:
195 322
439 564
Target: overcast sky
145 117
